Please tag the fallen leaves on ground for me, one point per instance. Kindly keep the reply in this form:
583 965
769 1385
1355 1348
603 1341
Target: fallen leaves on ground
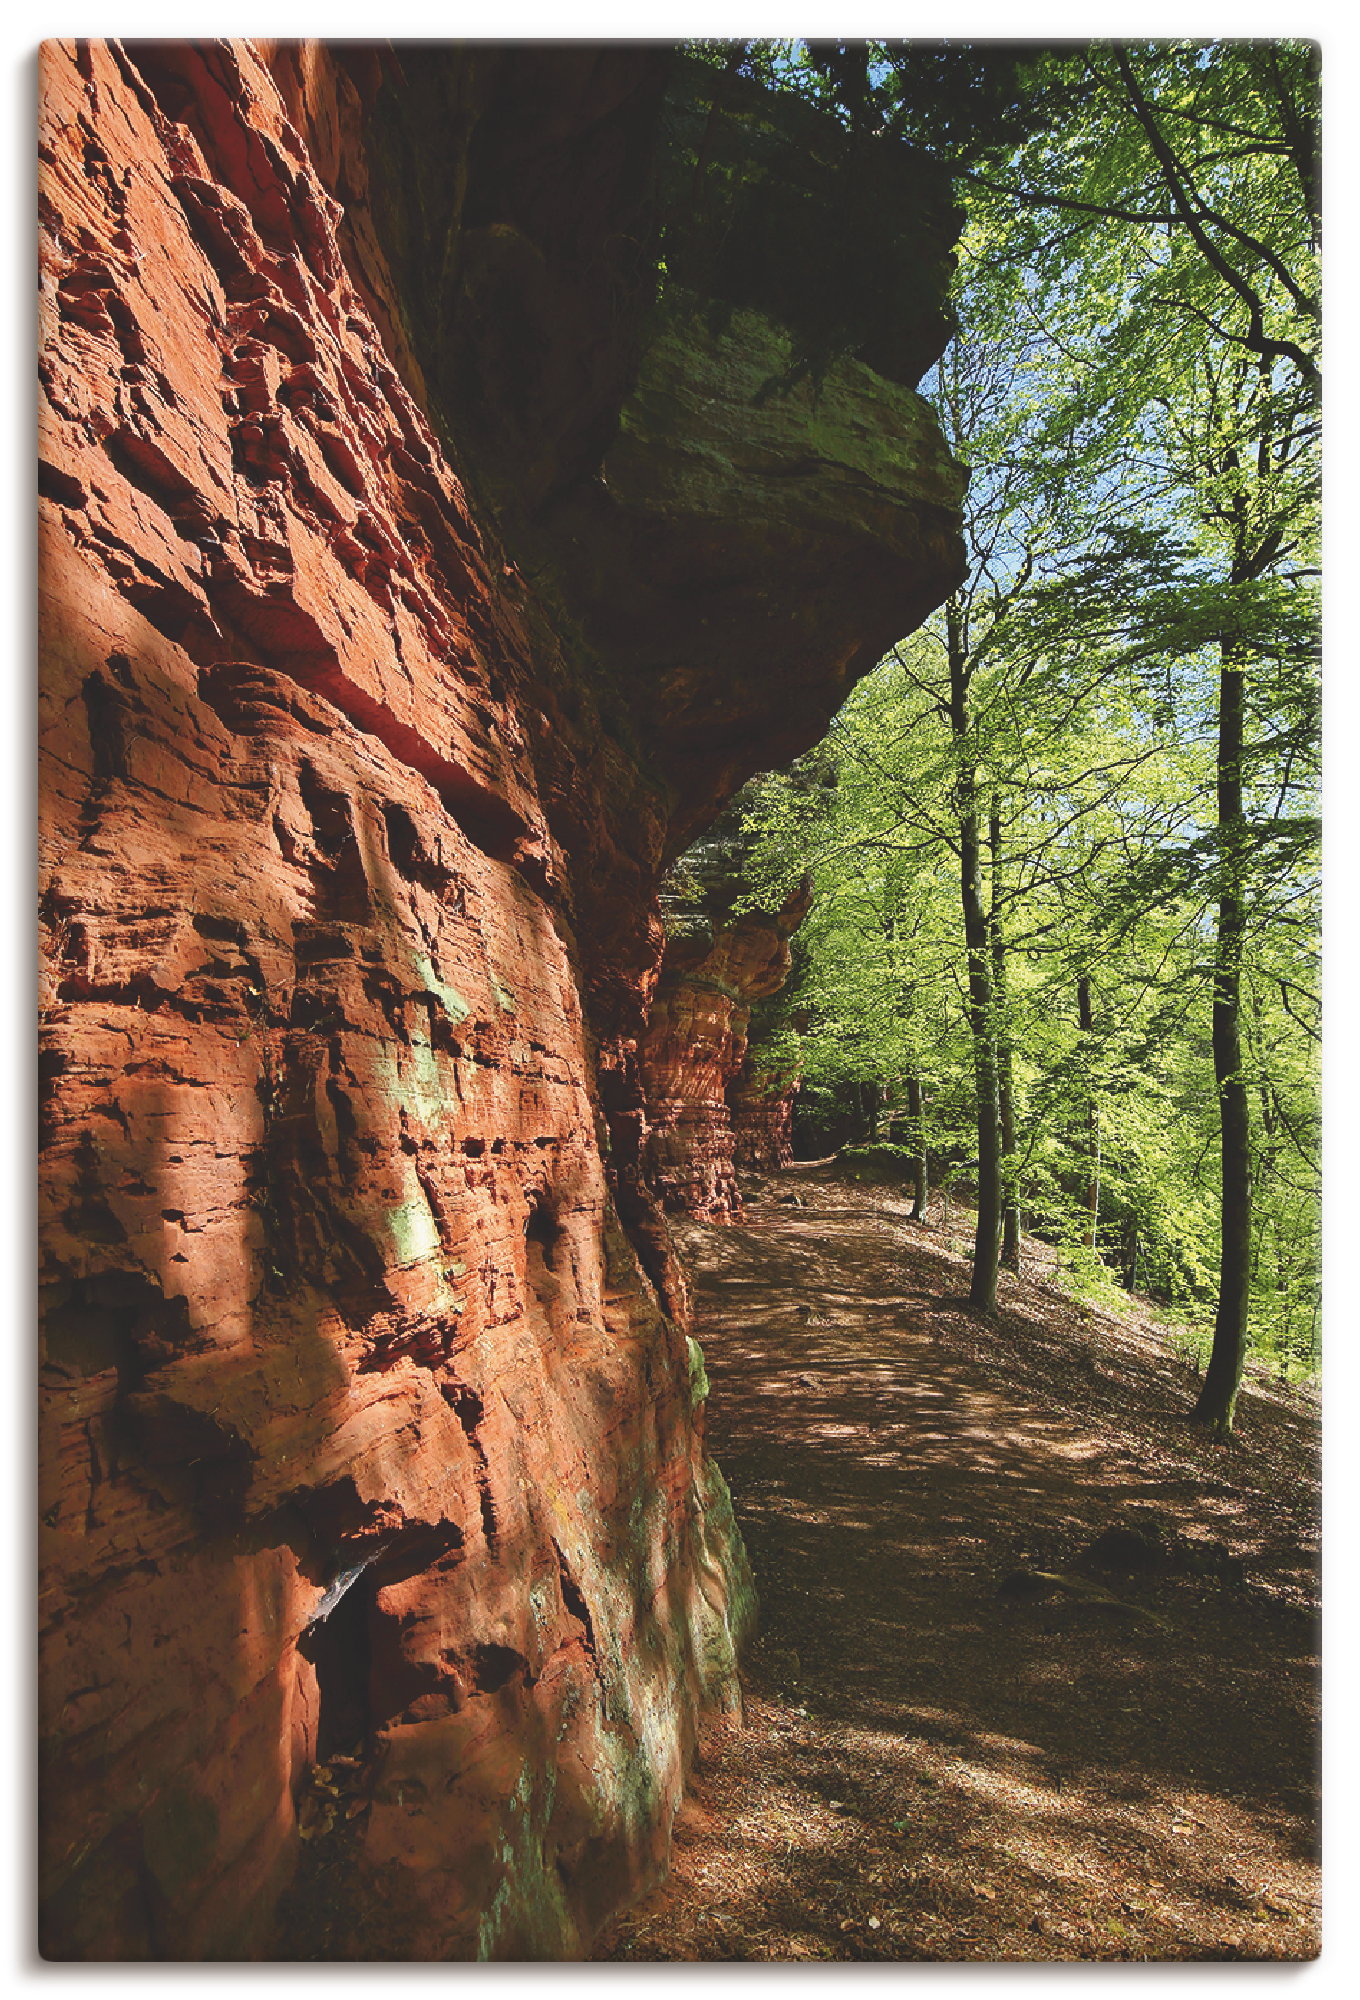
930 1767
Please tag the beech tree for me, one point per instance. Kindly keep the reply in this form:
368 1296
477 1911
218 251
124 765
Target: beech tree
1231 429
1128 678
1169 235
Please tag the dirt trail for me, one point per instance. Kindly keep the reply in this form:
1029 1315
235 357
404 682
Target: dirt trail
943 1756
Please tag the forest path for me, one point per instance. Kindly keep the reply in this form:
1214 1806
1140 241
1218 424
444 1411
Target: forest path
931 1766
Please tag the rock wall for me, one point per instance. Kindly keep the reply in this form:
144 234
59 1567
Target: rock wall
763 1097
761 1108
410 593
693 1053
719 1089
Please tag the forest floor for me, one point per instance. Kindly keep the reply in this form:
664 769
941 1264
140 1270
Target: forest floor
966 1734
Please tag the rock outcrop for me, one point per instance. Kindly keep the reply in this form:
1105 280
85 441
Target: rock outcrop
720 959
761 1105
694 1053
411 591
763 1097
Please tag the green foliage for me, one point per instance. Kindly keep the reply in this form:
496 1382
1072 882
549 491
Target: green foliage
1134 388
960 101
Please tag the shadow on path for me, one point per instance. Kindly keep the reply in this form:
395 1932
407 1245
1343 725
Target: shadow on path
933 1765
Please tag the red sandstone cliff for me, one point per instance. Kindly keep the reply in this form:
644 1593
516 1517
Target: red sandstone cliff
761 1108
369 1418
694 1052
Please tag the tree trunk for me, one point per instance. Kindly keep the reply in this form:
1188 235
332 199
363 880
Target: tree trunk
981 1021
987 1243
919 1165
1218 1397
1005 1072
1092 1202
1131 1243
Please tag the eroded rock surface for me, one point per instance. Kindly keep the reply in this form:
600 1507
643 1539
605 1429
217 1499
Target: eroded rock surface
761 1107
721 1056
718 962
370 1423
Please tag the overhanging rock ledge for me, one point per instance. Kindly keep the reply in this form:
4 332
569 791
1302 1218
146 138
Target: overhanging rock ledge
415 586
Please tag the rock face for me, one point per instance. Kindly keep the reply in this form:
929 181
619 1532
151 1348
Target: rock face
763 1096
761 1107
403 615
694 1052
719 961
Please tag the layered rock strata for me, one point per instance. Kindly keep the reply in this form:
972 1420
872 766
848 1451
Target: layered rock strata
695 1047
761 1109
371 1427
720 1056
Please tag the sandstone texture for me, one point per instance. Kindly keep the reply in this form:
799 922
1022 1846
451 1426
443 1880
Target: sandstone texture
761 1108
413 588
719 960
721 1064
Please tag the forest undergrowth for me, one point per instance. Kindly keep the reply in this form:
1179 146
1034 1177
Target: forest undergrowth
1037 1671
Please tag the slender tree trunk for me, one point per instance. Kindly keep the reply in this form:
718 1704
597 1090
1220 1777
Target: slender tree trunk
987 1243
1131 1253
919 1165
1092 1203
1005 1068
868 1104
1218 1397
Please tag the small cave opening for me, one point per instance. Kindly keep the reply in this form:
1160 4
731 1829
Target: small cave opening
548 1270
543 1231
365 1676
340 1648
494 1667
